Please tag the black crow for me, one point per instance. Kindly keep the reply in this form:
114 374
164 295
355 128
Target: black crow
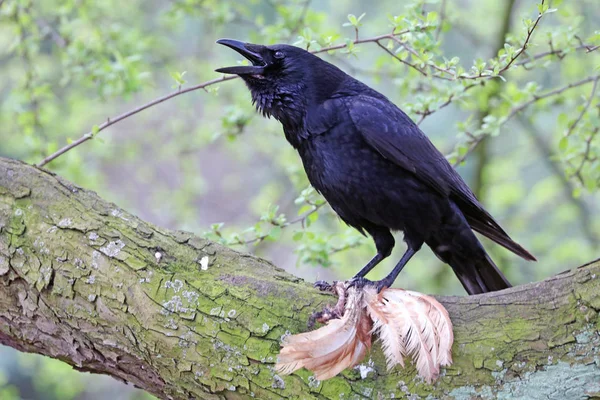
373 164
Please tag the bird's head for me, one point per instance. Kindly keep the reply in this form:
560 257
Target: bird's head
282 78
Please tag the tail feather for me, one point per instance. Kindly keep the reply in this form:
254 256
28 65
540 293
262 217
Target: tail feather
481 221
456 244
500 237
478 276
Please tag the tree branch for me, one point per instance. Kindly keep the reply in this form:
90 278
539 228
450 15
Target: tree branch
88 283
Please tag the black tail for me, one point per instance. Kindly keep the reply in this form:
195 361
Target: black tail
478 276
456 244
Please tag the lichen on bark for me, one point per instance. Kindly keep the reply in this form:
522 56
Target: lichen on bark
88 283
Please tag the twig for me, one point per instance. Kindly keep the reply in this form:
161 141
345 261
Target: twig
451 98
475 140
550 158
399 59
114 120
586 156
588 48
536 98
300 19
527 39
585 107
559 53
473 144
438 30
301 219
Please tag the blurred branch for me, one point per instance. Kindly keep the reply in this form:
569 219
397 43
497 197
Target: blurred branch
586 155
274 222
114 120
588 48
585 107
438 30
482 154
548 156
427 112
54 34
185 318
300 22
560 53
536 98
474 140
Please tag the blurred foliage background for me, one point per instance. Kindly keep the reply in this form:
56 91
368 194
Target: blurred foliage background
522 122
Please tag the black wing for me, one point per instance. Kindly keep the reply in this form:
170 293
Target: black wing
396 137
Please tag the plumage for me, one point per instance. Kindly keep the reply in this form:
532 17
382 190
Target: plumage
376 168
408 324
411 324
327 351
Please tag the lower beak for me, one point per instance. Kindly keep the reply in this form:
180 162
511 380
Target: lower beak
250 52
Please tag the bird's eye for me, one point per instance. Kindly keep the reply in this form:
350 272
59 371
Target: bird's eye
279 55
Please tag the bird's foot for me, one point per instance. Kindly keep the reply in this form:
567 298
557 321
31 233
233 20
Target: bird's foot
324 286
359 282
329 312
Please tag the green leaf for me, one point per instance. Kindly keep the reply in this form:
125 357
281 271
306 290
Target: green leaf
563 144
298 236
275 233
95 130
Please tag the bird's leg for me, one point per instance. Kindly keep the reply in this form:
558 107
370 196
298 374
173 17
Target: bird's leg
384 242
389 280
370 265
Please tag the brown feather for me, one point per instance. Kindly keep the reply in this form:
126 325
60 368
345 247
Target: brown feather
413 324
327 351
409 324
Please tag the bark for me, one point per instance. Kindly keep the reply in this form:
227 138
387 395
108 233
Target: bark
85 282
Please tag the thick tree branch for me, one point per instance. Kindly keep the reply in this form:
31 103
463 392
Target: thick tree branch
88 283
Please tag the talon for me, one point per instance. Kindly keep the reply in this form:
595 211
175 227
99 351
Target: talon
359 282
382 284
323 286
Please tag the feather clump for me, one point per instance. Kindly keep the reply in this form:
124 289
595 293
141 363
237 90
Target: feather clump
409 324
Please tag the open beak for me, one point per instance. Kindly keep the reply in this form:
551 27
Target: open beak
250 51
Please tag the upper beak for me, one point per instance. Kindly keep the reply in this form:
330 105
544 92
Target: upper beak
250 51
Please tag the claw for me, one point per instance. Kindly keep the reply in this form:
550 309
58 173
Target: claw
324 286
328 312
382 284
359 282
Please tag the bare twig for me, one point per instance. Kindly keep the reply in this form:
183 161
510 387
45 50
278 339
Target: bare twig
114 120
588 48
557 52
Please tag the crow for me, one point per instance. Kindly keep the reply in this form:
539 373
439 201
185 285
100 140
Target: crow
372 163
